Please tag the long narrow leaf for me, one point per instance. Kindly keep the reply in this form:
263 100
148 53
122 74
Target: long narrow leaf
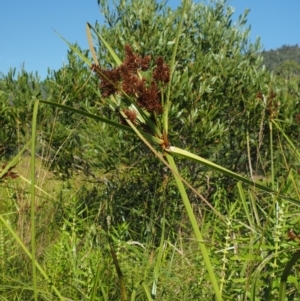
110 50
90 41
76 50
244 202
102 119
83 113
186 154
193 221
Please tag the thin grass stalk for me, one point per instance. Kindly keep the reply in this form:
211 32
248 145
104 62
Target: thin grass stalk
256 275
118 268
193 221
147 292
32 198
272 155
243 199
275 202
249 152
254 207
97 281
257 272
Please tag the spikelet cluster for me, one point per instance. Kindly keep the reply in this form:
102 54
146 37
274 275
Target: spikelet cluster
125 78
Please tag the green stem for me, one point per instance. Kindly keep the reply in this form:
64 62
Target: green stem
32 199
195 227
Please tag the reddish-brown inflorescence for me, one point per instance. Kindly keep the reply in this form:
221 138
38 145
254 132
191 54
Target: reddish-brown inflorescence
162 71
149 99
109 80
125 78
131 115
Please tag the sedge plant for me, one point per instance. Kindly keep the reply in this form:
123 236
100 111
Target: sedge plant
141 96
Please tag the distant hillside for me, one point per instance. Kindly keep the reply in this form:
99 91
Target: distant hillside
274 59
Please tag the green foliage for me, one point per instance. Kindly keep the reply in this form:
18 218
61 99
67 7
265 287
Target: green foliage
16 98
288 69
216 78
274 58
128 211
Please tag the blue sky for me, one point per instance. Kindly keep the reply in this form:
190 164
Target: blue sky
27 35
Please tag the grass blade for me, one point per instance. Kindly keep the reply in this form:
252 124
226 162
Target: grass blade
90 41
110 50
76 50
197 232
186 154
102 119
19 241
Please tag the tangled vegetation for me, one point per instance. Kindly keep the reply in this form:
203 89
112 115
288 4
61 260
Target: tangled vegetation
160 164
